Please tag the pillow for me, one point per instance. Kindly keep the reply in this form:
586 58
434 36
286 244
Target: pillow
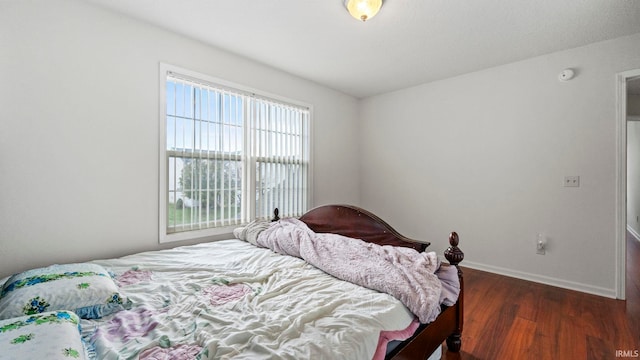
50 335
86 289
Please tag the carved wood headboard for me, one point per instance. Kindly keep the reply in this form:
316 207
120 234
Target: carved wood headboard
352 221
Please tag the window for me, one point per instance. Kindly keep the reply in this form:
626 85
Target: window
228 156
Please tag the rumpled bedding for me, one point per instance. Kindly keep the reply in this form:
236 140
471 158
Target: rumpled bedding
404 273
232 300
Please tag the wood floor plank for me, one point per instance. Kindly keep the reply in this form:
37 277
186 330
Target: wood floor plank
519 339
571 342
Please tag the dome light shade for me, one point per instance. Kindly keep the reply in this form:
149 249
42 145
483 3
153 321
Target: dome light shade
363 10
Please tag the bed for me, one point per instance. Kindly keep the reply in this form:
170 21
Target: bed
231 299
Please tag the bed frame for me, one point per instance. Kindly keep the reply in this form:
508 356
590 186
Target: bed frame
358 223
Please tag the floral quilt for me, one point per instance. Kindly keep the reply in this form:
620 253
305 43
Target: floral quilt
232 300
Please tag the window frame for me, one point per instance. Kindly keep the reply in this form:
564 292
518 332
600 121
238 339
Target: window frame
248 160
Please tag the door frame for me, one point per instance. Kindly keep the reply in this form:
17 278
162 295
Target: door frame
621 179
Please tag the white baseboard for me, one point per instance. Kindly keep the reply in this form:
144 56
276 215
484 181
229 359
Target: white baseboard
589 289
633 232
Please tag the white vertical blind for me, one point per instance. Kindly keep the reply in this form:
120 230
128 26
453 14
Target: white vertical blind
231 156
282 158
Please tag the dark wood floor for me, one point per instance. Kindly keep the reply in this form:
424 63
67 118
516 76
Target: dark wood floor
507 318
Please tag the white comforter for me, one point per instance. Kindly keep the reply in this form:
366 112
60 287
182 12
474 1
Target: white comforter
232 300
402 272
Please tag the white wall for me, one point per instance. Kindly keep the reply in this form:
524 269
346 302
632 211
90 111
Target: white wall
79 138
633 176
633 105
633 165
486 153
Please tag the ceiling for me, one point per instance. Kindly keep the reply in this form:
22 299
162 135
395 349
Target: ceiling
409 42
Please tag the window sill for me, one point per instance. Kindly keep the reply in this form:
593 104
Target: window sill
197 234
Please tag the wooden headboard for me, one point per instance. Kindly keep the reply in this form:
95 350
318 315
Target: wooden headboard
354 222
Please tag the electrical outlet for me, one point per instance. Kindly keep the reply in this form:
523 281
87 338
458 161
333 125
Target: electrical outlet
572 181
541 244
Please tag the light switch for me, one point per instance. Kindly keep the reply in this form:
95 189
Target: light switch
572 181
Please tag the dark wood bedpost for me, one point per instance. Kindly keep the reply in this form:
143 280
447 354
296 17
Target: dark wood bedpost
454 255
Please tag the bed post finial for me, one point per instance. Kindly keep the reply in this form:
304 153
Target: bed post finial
453 254
276 217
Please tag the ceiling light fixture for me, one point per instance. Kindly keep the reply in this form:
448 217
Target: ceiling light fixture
363 9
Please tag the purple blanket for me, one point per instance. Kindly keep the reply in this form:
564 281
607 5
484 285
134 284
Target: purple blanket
401 272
